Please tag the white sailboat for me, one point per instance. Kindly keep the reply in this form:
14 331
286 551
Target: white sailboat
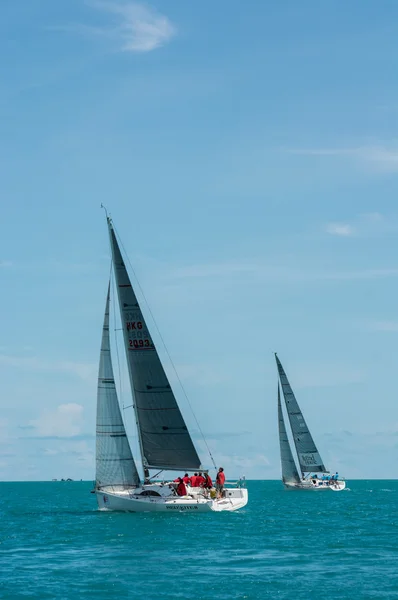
164 440
309 459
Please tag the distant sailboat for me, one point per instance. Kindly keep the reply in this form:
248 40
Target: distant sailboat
309 459
164 440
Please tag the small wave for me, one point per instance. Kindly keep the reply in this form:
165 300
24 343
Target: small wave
385 490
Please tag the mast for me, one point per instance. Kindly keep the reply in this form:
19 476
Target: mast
289 469
115 464
307 452
164 440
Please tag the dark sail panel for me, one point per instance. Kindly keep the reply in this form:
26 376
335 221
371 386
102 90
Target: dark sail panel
164 439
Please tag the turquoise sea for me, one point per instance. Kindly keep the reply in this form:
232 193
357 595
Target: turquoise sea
284 545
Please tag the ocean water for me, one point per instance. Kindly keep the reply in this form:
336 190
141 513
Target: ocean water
54 543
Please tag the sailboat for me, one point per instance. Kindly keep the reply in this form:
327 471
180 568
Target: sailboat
165 443
309 459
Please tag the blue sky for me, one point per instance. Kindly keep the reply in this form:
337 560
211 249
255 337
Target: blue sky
248 153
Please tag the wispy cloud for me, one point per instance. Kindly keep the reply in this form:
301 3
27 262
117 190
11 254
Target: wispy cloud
388 326
65 421
78 449
380 157
364 274
5 264
214 269
341 229
365 224
200 374
281 273
326 375
137 27
84 371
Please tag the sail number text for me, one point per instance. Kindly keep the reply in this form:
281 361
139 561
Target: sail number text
138 335
140 343
133 325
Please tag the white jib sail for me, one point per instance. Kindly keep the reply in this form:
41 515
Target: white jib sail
115 464
289 469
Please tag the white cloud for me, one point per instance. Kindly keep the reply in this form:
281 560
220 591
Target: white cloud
84 371
325 375
373 217
281 273
214 270
199 374
341 229
65 421
137 28
5 263
388 326
78 449
364 274
380 157
365 225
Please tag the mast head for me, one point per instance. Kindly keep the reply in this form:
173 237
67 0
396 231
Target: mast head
108 217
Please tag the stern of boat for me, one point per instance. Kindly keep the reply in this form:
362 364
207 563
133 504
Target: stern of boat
233 499
338 486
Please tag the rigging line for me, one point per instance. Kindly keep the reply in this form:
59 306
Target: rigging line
165 347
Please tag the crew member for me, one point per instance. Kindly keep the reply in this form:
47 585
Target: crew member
181 489
200 480
220 480
208 484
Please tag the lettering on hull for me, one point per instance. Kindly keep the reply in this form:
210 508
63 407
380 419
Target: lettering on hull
182 507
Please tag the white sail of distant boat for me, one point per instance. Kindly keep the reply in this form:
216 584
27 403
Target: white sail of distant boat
289 469
164 440
309 459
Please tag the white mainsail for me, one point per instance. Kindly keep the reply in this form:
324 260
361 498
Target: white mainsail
289 469
165 442
115 465
308 455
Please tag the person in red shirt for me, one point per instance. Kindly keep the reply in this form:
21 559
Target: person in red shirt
200 480
220 480
186 479
181 489
208 484
193 479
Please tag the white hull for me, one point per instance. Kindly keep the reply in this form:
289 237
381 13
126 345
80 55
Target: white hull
337 486
165 501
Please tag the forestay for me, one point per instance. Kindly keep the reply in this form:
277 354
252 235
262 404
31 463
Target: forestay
114 461
308 455
289 469
164 439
